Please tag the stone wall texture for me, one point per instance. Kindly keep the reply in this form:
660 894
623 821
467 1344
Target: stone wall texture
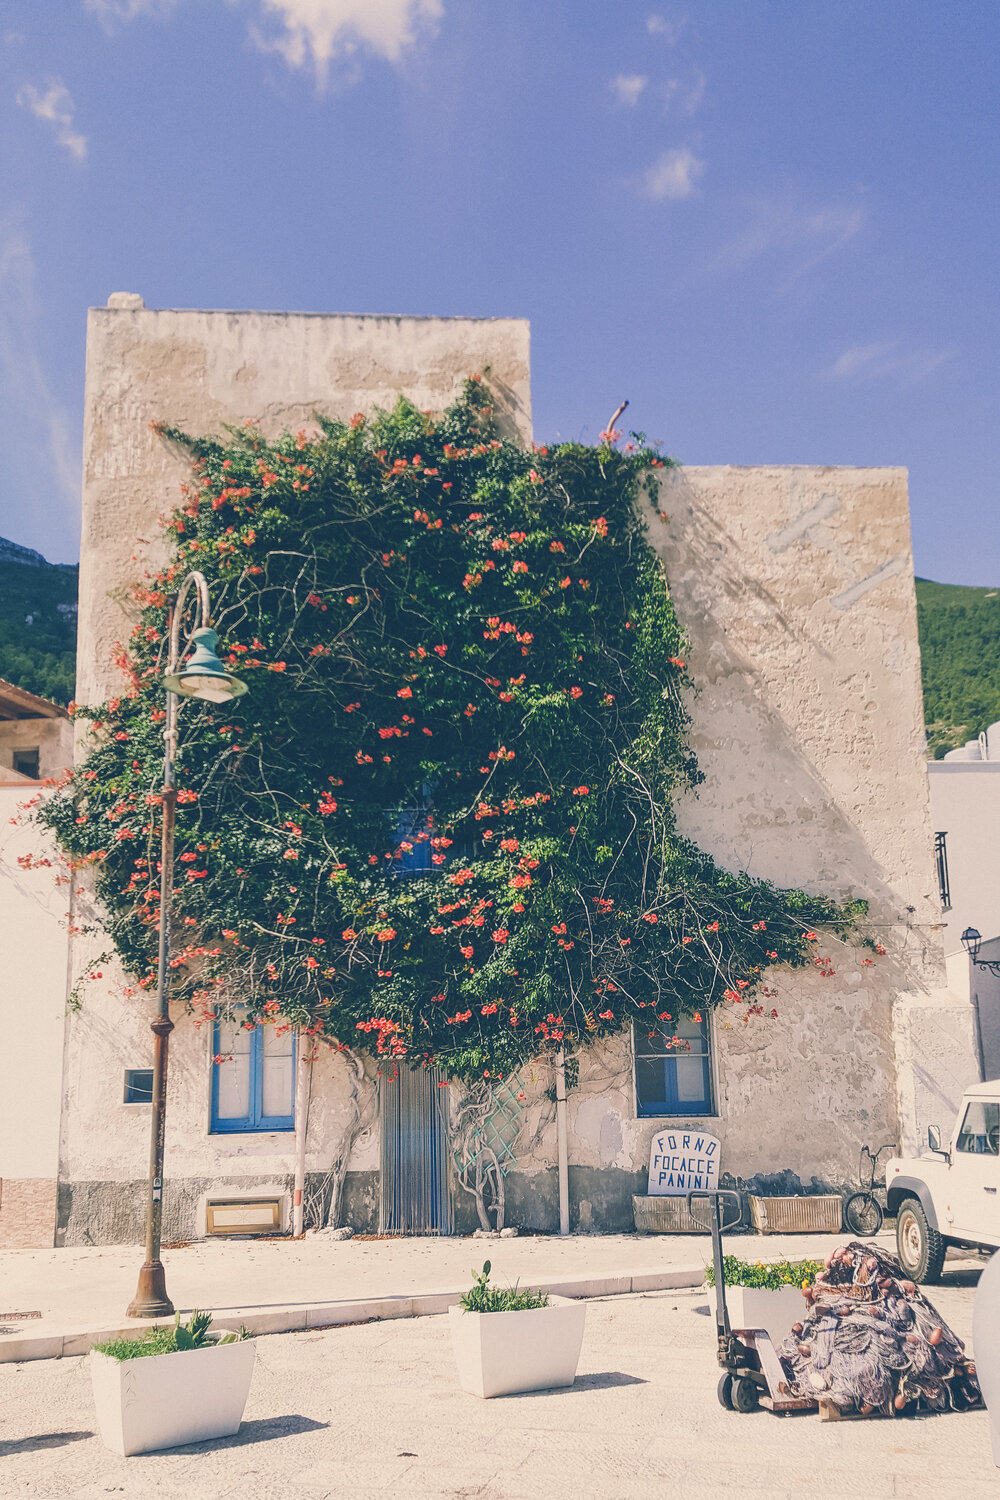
27 1213
201 370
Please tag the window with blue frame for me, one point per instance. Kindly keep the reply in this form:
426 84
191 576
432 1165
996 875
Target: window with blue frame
673 1079
253 1078
413 831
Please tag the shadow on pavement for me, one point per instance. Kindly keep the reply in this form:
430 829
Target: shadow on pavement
41 1440
262 1430
604 1380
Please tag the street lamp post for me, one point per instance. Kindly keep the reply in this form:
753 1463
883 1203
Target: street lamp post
202 676
972 942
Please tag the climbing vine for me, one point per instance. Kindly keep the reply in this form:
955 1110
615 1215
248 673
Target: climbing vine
440 825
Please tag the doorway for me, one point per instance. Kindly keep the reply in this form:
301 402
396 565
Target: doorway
416 1178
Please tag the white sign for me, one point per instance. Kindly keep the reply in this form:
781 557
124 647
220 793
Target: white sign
683 1161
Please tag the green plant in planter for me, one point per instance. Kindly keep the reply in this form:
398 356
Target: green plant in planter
483 1298
767 1276
194 1334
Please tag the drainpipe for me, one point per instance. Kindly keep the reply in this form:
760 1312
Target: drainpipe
563 1146
303 1089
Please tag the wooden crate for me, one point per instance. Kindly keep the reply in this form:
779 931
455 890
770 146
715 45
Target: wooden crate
661 1215
822 1213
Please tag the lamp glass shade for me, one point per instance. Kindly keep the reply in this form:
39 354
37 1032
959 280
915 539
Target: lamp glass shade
971 940
203 675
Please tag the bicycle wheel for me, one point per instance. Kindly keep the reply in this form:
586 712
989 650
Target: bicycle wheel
863 1214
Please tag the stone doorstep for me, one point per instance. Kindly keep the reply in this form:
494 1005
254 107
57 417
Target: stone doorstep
304 1315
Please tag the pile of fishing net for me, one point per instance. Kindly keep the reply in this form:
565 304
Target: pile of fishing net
871 1343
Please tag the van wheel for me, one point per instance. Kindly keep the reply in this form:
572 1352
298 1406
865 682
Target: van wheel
920 1248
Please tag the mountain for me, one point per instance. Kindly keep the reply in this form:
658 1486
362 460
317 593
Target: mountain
37 622
14 552
960 652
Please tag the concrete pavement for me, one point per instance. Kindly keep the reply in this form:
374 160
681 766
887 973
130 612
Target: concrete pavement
359 1413
275 1286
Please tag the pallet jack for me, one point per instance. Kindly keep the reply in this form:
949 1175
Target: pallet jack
752 1373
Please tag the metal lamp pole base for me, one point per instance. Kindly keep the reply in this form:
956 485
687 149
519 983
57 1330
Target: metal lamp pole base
151 1300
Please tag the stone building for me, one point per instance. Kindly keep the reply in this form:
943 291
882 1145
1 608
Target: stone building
965 812
796 587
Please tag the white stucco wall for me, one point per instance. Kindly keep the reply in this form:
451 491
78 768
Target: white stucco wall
965 804
33 958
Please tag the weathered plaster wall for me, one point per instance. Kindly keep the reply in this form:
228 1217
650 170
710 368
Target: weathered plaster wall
52 737
796 588
33 949
106 1142
199 370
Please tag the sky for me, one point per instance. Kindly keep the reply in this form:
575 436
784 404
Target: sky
770 224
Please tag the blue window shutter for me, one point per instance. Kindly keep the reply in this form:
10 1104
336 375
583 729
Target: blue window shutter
254 1119
658 1077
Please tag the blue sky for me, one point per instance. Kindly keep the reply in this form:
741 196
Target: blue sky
771 224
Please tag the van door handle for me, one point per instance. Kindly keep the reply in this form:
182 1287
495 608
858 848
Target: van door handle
989 1190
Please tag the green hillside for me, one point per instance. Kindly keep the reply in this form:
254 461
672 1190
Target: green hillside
37 638
960 650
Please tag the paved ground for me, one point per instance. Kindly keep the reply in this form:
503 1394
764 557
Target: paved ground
89 1289
368 1411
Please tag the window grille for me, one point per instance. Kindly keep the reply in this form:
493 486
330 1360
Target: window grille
941 860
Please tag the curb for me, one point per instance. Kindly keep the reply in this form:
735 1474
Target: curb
298 1316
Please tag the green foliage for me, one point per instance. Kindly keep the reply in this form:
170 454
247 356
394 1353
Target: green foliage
440 824
483 1298
960 656
40 657
768 1275
163 1339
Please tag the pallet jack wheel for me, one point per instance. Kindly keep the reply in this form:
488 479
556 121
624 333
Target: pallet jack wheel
725 1390
746 1396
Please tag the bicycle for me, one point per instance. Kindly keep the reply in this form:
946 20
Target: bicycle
863 1212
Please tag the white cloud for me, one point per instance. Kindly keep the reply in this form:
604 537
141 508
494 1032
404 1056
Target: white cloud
308 33
684 96
784 226
315 32
674 175
110 11
670 31
628 87
886 360
55 107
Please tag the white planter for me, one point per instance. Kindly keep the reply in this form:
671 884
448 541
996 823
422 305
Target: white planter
164 1400
758 1307
499 1354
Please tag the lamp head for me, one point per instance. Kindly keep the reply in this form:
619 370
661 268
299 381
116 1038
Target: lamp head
203 675
971 941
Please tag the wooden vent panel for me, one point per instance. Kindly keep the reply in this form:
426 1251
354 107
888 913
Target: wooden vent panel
243 1216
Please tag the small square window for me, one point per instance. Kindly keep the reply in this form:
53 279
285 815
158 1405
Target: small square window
26 762
138 1085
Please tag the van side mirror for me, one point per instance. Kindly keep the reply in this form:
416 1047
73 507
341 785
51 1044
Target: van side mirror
934 1138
